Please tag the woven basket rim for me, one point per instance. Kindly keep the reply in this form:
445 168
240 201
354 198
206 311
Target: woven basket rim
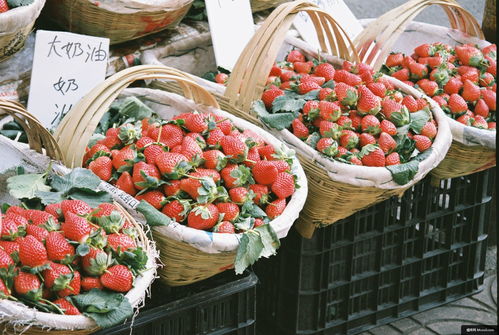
20 17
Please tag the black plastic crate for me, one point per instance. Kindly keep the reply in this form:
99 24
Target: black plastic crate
391 260
224 304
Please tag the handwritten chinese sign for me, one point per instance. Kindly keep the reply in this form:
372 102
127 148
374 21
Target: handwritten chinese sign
66 66
231 27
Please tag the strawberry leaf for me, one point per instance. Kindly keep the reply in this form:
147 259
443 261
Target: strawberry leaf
418 120
78 178
287 104
26 185
135 109
269 239
249 251
244 224
404 173
329 84
277 121
92 198
135 259
105 308
152 215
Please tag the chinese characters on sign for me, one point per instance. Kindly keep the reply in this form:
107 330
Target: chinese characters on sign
66 66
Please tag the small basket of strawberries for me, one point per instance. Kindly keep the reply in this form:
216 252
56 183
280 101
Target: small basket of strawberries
219 192
455 67
17 18
361 136
71 260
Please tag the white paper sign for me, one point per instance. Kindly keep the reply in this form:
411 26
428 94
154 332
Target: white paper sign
231 27
66 66
338 10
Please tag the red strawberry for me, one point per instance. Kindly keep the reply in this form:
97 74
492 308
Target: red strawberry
284 185
28 284
221 78
408 60
370 124
307 86
440 100
120 157
471 92
214 137
392 159
429 87
394 59
464 119
410 103
457 104
58 248
429 130
299 129
432 62
425 50
203 217
376 157
120 242
66 306
346 94
275 208
37 232
191 149
422 142
176 210
378 89
295 56
489 97
269 96
479 122
402 74
418 71
77 207
258 223
4 6
275 71
234 148
171 135
172 165
329 111
239 195
486 79
386 143
281 165
155 198
16 210
302 67
265 172
141 168
32 252
37 217
345 122
469 73
76 228
395 112
89 283
229 209
388 127
117 278
368 103
96 262
481 108
10 230
151 152
214 159
440 76
143 141
5 259
325 93
253 157
9 247
491 125
196 123
366 138
327 146
349 139
261 193
325 70
469 55
54 210
125 183
311 108
266 152
110 142
225 227
61 279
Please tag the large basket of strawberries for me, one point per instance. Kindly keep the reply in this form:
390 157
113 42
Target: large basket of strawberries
119 20
356 138
226 189
16 22
455 67
71 261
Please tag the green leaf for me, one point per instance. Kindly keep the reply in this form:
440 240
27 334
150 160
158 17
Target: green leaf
78 178
312 139
19 3
287 104
105 308
278 121
249 251
94 139
135 109
48 198
93 199
328 84
418 120
251 209
269 239
244 224
82 249
135 259
152 215
26 185
404 173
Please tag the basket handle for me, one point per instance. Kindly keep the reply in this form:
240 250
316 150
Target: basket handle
39 138
75 130
247 80
376 41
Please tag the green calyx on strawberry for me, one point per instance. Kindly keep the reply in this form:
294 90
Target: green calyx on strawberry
96 261
129 133
111 223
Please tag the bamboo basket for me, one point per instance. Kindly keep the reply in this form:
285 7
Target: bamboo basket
17 318
190 254
15 25
119 20
472 149
348 188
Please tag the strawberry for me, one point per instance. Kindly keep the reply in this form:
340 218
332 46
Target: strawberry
429 130
171 135
422 103
55 210
225 227
120 243
239 195
374 156
295 56
275 208
4 6
395 112
464 119
325 70
346 94
479 122
214 137
311 108
37 232
486 79
345 122
258 223
99 148
489 97
66 306
96 262
37 217
176 210
203 217
15 210
453 85
422 142
269 96
349 139
152 151
377 88
155 198
10 230
143 141
172 165
172 188
356 119
196 123
418 71
325 93
440 76
392 159
284 185
28 285
481 108
120 158
388 127
394 59
5 259
145 175
402 74
125 183
288 75
410 102
366 138
191 150
32 252
77 207
432 62
215 159
281 165
299 129
386 143
261 193
230 210
440 100
471 92
9 247
429 87
457 104
368 103
89 283
491 125
110 141
307 86
234 175
4 291
302 67
117 278
253 157
327 146
330 129
76 228
469 55
234 148
198 138
408 60
425 50
264 172
370 124
62 280
275 71
58 248
221 78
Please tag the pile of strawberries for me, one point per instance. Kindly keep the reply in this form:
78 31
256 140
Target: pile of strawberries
351 114
47 256
461 79
198 169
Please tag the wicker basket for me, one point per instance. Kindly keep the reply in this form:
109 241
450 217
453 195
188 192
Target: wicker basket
15 317
15 25
348 188
472 149
190 254
116 19
258 5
